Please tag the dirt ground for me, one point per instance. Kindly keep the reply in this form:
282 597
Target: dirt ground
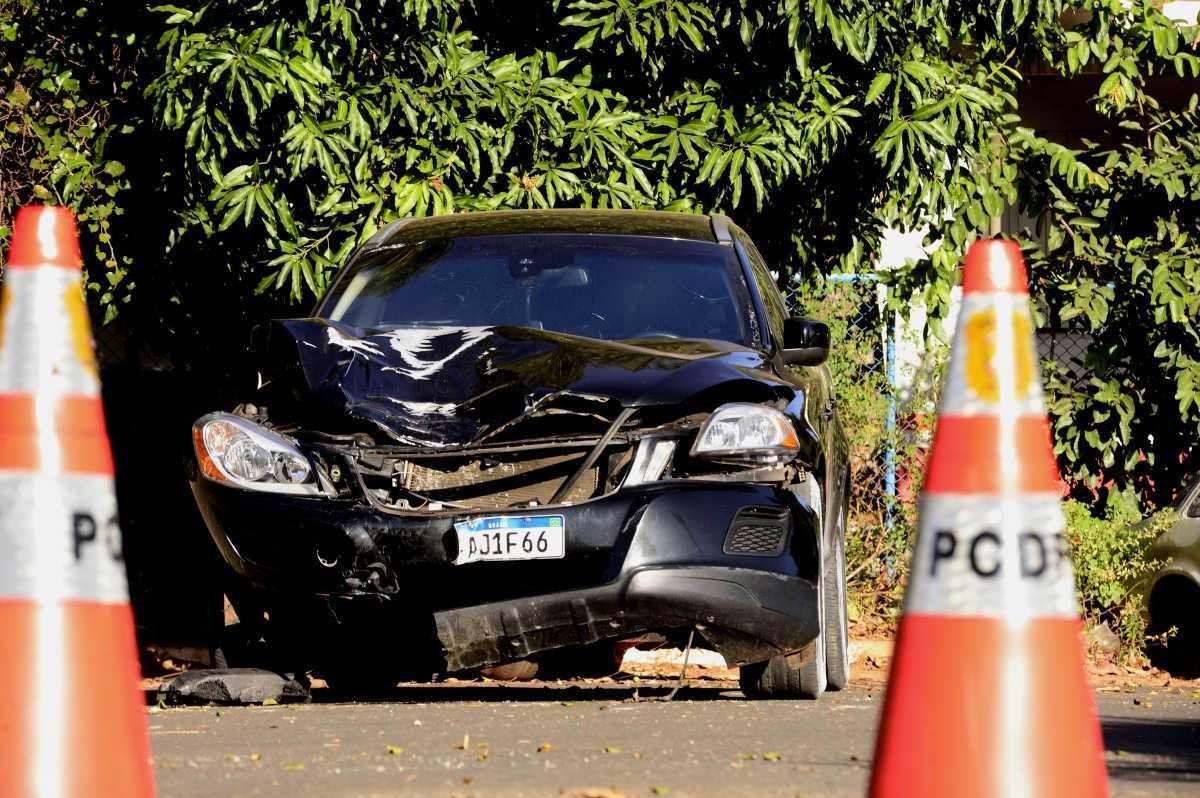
871 658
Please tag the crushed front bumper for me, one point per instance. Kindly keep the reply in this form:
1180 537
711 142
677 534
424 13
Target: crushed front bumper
742 612
665 555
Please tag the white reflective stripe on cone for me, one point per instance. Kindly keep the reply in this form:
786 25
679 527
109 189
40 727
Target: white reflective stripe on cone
45 340
60 539
972 385
992 557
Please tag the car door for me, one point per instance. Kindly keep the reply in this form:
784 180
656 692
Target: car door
814 380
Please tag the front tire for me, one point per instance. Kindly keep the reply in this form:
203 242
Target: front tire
829 667
775 678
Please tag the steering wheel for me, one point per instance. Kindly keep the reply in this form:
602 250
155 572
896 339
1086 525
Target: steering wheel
656 334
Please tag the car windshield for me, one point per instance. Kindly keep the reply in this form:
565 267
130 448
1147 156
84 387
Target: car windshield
607 287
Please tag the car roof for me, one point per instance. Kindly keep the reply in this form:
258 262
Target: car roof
663 224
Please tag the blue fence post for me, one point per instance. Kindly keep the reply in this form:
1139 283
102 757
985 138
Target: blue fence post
890 331
887 323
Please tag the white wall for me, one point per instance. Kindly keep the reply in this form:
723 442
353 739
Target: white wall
1185 11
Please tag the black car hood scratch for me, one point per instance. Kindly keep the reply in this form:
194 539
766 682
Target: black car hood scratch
452 386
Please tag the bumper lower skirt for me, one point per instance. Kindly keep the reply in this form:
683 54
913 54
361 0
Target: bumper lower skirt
747 615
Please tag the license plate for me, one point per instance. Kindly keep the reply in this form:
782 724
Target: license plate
510 537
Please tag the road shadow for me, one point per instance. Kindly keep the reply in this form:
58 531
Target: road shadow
1149 749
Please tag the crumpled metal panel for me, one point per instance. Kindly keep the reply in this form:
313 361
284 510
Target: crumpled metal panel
454 386
492 486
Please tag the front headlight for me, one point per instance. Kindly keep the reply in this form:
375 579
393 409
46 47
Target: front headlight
747 433
233 450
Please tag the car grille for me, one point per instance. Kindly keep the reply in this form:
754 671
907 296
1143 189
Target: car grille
493 481
758 531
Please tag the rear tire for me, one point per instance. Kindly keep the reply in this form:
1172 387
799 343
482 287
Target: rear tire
836 629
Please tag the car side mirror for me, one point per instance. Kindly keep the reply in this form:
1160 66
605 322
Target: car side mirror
805 342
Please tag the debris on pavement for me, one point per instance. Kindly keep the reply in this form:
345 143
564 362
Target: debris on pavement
1102 640
667 662
231 686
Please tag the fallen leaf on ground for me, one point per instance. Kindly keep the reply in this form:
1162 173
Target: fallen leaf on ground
771 756
543 748
611 749
395 750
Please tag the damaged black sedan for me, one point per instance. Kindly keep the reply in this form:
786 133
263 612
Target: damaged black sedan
506 435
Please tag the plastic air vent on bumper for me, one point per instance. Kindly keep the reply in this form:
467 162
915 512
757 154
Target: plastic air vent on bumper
758 532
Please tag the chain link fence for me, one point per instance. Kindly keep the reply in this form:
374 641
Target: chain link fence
1065 350
887 374
885 436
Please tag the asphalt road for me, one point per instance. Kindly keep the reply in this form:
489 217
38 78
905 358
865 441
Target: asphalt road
597 742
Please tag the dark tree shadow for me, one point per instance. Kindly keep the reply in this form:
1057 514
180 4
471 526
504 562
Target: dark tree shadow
1153 749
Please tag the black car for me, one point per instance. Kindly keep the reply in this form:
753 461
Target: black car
506 434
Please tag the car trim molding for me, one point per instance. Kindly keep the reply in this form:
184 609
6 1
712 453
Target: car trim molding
720 228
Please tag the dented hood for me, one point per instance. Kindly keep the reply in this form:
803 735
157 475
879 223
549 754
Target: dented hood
446 386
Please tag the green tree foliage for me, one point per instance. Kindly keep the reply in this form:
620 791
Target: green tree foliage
310 130
1121 255
229 154
59 107
1109 543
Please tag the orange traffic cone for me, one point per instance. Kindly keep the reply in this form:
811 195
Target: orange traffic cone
988 695
71 716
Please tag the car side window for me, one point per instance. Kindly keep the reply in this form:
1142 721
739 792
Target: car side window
776 309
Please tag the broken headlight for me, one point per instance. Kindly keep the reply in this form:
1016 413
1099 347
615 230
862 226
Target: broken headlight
233 450
747 433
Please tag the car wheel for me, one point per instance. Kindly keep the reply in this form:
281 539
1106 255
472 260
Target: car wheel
829 667
836 631
1172 604
776 678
